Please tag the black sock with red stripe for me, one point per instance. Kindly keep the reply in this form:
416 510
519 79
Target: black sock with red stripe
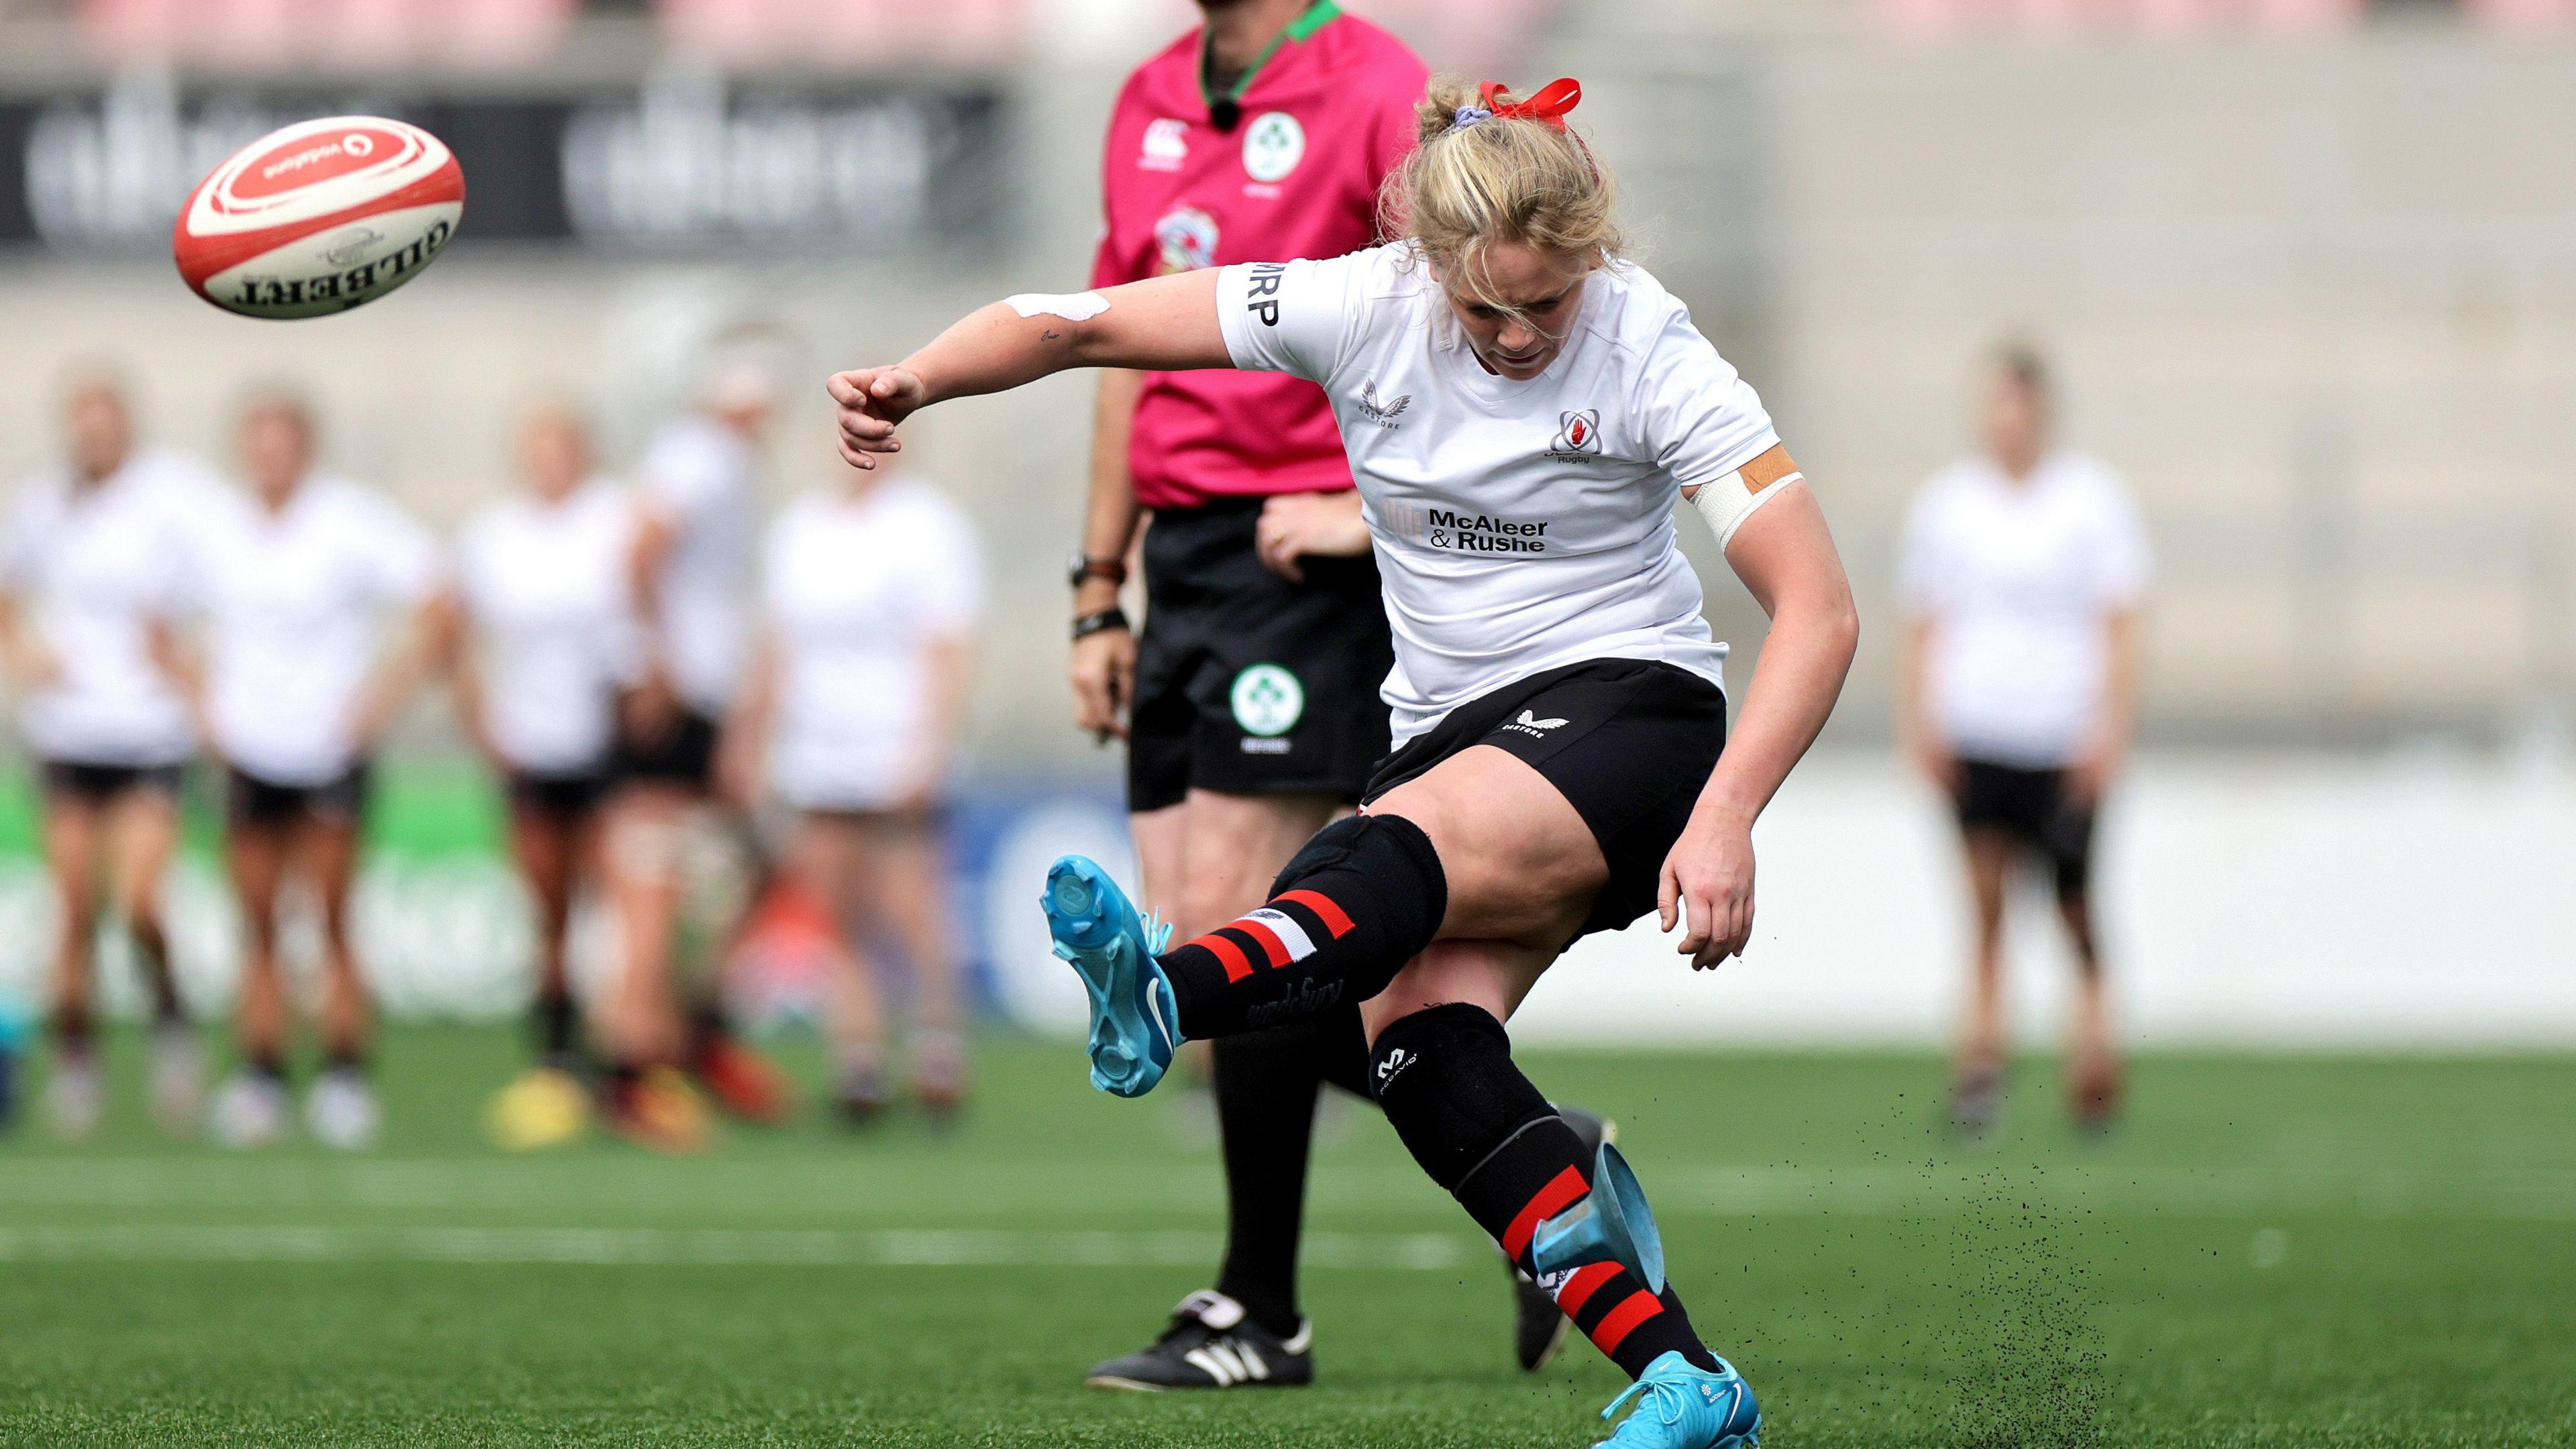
1446 1079
1361 899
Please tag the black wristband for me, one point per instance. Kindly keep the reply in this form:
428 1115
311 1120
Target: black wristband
1102 622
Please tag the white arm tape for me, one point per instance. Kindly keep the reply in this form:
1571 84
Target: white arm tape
1726 503
1071 306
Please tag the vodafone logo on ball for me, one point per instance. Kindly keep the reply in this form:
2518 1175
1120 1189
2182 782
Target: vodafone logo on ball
311 171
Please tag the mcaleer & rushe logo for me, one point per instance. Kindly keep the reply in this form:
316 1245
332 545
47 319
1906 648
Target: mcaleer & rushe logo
1456 532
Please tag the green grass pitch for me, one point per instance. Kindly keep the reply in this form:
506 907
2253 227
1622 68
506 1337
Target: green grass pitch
2283 1251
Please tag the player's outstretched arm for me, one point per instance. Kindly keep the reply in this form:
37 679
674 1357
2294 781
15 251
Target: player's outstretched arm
1164 324
1786 557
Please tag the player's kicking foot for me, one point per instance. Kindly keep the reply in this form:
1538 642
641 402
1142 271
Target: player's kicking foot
1213 1345
1679 1406
1538 1326
1097 931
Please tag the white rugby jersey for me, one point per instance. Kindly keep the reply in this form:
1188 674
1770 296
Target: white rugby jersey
855 590
89 567
546 587
296 602
704 478
2018 579
1519 526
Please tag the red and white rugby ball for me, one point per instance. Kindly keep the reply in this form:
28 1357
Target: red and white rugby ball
319 217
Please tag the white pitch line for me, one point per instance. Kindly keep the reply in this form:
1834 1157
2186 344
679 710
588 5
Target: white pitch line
685 1247
1680 1190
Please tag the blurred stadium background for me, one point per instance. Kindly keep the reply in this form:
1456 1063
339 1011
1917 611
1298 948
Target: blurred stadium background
2304 264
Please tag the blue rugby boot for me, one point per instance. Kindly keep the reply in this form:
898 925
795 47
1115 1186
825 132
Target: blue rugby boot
1134 1024
1682 1407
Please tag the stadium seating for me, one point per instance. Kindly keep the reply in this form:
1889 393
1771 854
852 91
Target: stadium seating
1940 17
849 32
362 33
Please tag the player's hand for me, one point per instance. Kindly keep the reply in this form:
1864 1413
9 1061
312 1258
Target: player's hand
650 710
1103 673
740 772
1708 886
32 666
2089 774
1932 756
869 402
371 719
1297 525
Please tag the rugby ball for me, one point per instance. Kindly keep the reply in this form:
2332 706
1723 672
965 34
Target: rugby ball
319 217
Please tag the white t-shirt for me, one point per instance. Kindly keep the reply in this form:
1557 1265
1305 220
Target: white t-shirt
545 585
2016 580
702 477
854 591
296 602
1520 526
89 566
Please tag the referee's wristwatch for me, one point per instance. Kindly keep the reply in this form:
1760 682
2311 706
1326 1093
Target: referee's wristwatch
1084 568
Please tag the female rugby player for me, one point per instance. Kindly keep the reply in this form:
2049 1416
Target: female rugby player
1557 705
86 575
2023 575
318 599
1248 700
869 595
535 670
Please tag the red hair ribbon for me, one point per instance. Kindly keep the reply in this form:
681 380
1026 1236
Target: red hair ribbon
1548 107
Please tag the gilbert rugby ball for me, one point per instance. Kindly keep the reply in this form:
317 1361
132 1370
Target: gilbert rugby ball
320 217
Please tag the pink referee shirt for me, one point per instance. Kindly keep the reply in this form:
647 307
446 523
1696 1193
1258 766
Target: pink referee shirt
1323 121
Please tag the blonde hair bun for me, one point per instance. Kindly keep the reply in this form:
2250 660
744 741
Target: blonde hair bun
1498 177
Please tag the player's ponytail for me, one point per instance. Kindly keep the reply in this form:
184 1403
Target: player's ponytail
1488 168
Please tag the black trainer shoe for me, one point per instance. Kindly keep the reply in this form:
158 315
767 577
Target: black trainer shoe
1538 1330
1212 1345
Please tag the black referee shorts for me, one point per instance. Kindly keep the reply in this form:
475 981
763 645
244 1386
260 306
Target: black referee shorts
1247 683
2033 809
1629 743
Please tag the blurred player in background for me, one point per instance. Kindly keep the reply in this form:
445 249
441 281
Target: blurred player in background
856 696
2024 570
319 600
1250 704
535 667
689 568
93 555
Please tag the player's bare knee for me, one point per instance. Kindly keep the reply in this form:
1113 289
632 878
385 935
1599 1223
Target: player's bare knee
648 848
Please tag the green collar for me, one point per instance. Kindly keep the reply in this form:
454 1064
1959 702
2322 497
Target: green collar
1315 18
